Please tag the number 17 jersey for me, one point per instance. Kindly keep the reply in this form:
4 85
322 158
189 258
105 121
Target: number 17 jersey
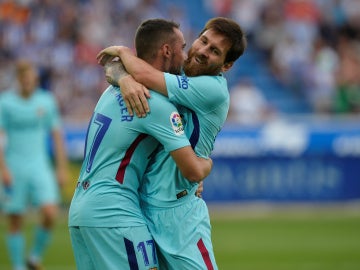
117 151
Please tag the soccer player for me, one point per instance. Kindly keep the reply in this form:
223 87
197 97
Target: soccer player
107 227
28 114
178 220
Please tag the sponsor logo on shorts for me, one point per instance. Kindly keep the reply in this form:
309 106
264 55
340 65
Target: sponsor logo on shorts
176 123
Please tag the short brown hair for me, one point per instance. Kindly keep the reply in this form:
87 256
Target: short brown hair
151 35
233 32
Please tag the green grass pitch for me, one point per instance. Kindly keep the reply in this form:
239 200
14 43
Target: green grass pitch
277 239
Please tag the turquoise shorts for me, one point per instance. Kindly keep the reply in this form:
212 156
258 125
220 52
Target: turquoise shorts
182 235
31 186
128 248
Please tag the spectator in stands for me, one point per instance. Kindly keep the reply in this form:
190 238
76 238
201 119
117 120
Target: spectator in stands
347 97
320 78
248 105
48 32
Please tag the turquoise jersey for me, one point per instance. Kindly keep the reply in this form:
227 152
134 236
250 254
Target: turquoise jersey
203 103
117 151
27 123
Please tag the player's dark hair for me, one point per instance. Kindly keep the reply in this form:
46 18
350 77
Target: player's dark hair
151 35
233 32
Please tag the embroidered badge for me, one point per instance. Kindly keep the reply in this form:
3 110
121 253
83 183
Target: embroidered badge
176 123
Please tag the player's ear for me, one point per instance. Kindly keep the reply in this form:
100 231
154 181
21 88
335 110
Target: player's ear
166 50
227 66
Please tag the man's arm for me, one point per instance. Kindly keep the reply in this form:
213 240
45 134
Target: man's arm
60 157
192 167
134 94
5 173
142 72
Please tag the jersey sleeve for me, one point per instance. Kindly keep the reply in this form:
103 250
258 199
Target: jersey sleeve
165 124
201 93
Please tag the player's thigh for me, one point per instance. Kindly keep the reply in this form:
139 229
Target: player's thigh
121 248
16 197
44 187
183 235
82 255
198 255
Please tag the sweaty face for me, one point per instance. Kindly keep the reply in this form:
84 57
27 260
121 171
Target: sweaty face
207 54
178 55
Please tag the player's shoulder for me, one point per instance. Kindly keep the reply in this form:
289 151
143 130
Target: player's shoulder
111 91
211 79
7 95
214 85
7 92
160 104
110 97
44 93
158 99
45 96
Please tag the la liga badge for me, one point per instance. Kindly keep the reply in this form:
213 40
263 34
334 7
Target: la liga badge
176 123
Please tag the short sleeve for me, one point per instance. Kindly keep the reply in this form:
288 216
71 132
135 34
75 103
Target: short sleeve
165 124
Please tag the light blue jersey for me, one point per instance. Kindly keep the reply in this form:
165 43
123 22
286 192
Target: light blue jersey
117 151
178 220
27 123
207 98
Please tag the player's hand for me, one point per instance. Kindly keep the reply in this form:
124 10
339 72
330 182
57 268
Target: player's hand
200 189
106 59
6 177
110 53
135 96
107 54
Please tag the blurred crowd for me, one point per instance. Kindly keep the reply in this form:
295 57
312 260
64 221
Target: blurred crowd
63 39
311 46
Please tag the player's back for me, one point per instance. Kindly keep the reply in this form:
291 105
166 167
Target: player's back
116 155
114 145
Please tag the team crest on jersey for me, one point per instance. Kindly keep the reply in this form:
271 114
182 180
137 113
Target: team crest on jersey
176 123
40 112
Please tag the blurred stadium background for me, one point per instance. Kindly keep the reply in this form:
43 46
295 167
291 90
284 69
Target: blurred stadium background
285 188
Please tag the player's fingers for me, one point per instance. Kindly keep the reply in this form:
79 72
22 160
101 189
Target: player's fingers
100 55
102 59
105 55
139 108
129 107
136 107
147 92
144 104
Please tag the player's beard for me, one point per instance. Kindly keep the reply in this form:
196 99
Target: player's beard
175 70
196 65
175 67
